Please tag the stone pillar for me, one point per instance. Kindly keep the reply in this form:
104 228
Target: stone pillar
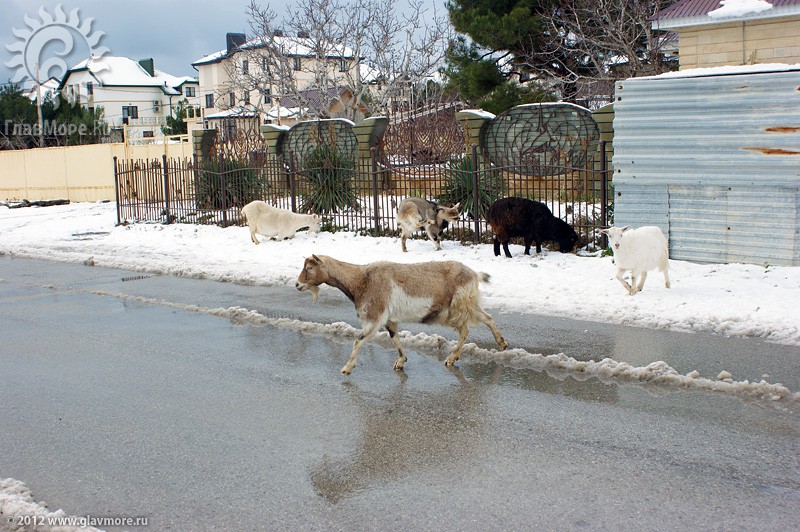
473 121
202 140
369 133
273 135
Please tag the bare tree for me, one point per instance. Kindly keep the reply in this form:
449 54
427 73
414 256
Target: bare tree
573 47
615 35
335 58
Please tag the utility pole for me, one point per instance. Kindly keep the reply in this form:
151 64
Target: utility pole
39 107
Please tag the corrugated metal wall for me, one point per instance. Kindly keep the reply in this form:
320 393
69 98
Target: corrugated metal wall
714 161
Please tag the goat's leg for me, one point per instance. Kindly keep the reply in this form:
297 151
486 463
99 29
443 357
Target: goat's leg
640 285
496 244
367 333
505 249
433 234
403 238
463 331
485 317
401 354
253 236
621 279
664 269
528 241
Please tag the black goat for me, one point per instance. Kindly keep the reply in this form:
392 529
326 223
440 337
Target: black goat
531 220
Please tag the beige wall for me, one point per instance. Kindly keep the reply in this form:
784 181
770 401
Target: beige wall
76 173
740 43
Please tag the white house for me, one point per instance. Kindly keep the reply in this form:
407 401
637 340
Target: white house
47 89
252 81
134 95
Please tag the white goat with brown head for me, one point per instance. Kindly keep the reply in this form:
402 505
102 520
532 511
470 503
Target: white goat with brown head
386 294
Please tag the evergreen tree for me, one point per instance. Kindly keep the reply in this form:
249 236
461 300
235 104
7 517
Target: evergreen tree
176 125
17 115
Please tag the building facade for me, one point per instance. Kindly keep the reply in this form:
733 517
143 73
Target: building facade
135 97
740 32
275 81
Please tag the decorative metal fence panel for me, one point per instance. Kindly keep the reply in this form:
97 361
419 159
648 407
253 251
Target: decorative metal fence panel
361 197
360 192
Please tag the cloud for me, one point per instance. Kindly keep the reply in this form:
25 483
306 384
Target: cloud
174 34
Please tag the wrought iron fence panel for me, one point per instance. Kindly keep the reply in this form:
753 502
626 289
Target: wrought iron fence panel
360 192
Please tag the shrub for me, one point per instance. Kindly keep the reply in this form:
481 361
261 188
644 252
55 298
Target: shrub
243 184
459 188
329 175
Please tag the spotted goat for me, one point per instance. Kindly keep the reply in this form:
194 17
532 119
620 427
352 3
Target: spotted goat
387 294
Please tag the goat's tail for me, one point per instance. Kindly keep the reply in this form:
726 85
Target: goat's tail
484 277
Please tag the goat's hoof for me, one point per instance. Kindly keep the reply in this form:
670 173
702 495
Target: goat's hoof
346 371
503 345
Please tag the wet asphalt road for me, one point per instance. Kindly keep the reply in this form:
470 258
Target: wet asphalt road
117 407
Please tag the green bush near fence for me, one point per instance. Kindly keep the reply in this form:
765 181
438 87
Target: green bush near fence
243 184
330 179
459 187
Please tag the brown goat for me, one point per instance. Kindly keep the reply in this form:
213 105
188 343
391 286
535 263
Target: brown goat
414 214
387 293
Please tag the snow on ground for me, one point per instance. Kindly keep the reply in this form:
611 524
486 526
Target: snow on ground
730 299
19 511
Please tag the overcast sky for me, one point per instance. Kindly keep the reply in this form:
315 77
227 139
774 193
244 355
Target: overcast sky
173 33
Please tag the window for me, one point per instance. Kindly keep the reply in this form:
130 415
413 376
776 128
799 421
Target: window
297 63
190 92
267 96
129 111
246 98
245 66
148 134
229 128
343 65
232 99
265 67
209 101
89 87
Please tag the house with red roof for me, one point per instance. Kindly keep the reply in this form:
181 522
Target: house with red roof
714 33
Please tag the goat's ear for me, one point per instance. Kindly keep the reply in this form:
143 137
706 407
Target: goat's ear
604 231
625 228
457 205
316 259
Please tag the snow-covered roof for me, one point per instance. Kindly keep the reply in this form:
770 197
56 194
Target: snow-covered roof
118 71
726 70
233 112
279 111
45 89
290 47
685 13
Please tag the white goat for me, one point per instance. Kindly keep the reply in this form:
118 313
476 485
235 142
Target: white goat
273 222
387 293
638 251
414 214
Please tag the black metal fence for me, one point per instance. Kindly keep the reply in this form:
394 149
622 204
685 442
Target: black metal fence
361 194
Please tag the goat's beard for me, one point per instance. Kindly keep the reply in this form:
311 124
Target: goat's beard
314 293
